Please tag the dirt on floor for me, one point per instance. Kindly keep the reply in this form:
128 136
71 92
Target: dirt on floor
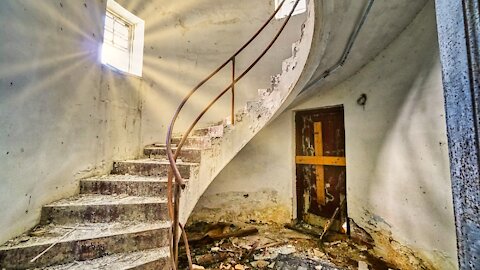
264 246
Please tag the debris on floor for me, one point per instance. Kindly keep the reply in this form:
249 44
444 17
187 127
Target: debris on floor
204 233
263 246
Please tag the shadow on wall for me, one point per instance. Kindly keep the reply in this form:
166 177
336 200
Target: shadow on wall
405 191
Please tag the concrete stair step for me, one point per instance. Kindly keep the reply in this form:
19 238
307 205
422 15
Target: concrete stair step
151 259
80 242
201 131
187 154
104 208
151 167
201 142
159 144
132 185
213 131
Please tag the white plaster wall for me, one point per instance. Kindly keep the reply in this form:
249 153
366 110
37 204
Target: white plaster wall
398 182
62 115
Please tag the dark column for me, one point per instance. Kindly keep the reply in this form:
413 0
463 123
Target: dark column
459 39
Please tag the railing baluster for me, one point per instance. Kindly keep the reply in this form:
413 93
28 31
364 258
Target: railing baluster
233 90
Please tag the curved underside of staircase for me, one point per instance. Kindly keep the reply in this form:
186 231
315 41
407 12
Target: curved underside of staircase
223 140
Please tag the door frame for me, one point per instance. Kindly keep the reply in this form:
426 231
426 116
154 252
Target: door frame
297 207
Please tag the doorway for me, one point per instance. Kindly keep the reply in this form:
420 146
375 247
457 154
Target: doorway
321 168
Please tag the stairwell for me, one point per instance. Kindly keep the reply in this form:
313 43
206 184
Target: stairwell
120 221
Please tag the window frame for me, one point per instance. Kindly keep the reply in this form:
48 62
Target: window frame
135 39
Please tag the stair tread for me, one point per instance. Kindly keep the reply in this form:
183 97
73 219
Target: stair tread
117 261
191 137
54 233
126 178
99 199
152 147
162 144
157 161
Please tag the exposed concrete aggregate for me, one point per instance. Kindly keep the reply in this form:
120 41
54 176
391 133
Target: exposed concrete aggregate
124 184
151 167
48 234
126 178
188 154
94 199
121 261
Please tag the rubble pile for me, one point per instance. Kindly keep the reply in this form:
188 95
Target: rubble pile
262 246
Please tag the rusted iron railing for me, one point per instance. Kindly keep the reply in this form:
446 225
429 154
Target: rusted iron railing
174 191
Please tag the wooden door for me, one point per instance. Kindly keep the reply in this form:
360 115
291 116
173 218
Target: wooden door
321 165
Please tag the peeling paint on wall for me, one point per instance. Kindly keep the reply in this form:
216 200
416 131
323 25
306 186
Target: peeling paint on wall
257 207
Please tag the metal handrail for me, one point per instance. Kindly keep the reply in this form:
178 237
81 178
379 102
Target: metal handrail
173 207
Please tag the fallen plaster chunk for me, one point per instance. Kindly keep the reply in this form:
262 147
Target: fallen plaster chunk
317 253
362 265
272 253
285 250
261 264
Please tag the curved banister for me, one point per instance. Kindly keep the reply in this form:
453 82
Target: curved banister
173 207
187 97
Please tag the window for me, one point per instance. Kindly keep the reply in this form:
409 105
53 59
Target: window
123 38
287 7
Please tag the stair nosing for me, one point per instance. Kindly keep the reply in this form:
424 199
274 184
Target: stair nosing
118 178
173 148
111 200
157 161
191 137
163 252
86 236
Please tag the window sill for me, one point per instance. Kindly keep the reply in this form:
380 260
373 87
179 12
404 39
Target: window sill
112 69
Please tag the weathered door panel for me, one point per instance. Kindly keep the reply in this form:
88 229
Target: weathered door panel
320 169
